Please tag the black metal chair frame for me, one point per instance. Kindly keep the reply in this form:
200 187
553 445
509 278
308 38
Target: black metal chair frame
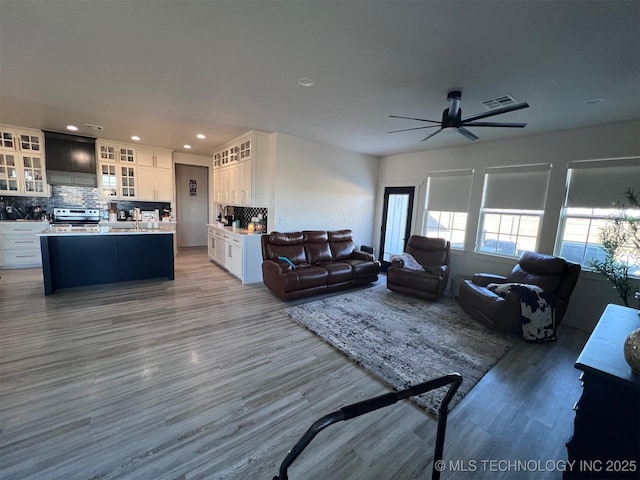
355 410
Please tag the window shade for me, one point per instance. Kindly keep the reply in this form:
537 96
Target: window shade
449 191
596 184
516 188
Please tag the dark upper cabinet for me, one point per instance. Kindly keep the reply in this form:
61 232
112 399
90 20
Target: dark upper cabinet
70 153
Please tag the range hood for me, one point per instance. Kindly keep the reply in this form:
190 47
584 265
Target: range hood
71 159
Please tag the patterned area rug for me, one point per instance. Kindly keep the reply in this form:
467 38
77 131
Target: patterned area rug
403 340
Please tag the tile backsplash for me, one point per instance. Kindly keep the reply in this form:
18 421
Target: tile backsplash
73 196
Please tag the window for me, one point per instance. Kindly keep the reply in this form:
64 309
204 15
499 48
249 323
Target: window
593 187
513 203
447 206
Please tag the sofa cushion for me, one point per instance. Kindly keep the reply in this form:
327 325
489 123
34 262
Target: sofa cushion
338 272
428 251
288 245
316 247
303 277
341 243
362 268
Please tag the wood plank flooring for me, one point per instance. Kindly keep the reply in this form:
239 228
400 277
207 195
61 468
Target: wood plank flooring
204 378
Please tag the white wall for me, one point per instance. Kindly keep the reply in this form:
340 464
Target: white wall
608 141
322 187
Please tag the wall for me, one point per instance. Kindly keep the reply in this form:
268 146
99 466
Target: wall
322 187
191 210
608 141
188 159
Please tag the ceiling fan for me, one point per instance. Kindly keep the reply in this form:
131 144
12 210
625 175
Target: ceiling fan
452 118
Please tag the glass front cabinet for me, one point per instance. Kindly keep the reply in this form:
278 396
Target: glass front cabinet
22 162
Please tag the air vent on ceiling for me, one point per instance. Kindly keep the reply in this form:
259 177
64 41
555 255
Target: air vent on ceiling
498 102
94 127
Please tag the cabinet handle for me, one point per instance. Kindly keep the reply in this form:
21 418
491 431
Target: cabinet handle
24 241
25 256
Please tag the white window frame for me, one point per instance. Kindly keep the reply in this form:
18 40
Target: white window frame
447 212
594 213
516 237
531 196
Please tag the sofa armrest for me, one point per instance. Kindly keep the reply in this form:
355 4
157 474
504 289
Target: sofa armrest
360 255
397 262
484 279
276 267
440 271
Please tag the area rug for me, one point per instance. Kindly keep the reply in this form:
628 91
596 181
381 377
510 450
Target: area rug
402 340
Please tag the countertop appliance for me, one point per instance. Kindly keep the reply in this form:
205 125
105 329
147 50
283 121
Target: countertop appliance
72 216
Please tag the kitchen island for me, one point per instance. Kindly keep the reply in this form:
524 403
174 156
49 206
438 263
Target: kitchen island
90 256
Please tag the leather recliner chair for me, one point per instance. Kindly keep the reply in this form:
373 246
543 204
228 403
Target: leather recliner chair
502 314
433 255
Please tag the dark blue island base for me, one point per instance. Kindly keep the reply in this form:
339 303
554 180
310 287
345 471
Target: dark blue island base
77 260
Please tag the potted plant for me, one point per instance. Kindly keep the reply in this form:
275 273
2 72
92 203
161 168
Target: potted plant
620 239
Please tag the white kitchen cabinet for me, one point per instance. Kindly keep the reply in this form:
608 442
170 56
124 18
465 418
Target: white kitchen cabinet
244 183
154 184
115 152
22 162
117 181
238 252
233 255
243 171
151 157
20 245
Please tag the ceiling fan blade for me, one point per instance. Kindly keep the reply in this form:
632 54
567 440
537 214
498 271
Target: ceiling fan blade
415 128
467 133
495 124
418 119
497 111
432 135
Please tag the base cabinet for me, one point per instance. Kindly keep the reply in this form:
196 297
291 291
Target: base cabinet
606 435
239 253
19 244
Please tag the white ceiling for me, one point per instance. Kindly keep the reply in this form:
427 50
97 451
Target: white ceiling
167 70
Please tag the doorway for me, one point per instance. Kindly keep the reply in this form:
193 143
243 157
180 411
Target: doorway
192 192
397 213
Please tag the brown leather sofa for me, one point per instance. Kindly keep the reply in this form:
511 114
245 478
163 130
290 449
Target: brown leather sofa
320 262
433 255
502 314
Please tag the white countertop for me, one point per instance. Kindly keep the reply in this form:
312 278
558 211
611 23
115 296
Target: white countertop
103 230
237 231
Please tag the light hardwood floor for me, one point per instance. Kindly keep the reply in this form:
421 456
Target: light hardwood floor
204 378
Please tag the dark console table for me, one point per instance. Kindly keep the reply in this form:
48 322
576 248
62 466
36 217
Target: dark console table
606 437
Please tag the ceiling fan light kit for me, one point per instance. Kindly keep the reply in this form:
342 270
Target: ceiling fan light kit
452 118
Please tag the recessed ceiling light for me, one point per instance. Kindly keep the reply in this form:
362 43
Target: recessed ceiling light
187 146
135 138
595 101
201 136
306 82
73 128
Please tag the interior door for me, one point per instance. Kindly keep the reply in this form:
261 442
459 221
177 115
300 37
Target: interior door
396 222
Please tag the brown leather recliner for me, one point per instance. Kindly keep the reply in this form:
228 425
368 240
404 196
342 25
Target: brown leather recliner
433 255
502 314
